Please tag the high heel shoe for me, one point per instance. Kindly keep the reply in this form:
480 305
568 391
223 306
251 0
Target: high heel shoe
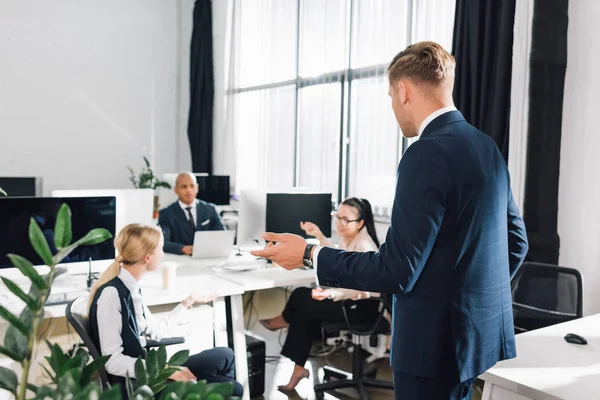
294 381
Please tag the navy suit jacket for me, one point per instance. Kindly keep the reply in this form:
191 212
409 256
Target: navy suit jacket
455 241
177 229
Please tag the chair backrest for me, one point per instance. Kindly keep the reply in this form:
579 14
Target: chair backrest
80 323
546 294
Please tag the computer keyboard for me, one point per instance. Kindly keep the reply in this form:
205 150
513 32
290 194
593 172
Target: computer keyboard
60 298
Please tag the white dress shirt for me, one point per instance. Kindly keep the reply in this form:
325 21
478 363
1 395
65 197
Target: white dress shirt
110 325
194 210
424 124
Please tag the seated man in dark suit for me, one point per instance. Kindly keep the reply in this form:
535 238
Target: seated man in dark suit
183 218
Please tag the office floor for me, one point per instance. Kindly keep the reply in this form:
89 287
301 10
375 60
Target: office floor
269 303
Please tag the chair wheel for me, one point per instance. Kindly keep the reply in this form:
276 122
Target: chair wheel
319 395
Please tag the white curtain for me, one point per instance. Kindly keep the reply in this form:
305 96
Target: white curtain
308 100
519 98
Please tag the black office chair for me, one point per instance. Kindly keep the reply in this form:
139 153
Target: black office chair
80 323
545 295
359 378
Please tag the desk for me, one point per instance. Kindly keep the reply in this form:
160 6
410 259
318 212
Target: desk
547 367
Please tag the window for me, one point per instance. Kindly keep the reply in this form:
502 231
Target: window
309 91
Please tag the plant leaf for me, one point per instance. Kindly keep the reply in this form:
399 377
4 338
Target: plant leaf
45 392
10 354
62 229
31 303
90 391
15 340
143 393
95 236
162 357
32 387
59 358
140 373
2 192
70 364
114 393
85 358
8 380
162 376
198 388
13 320
192 396
66 383
26 268
223 388
179 358
39 243
96 365
214 396
152 364
177 388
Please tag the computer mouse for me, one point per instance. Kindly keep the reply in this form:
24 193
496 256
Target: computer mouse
575 338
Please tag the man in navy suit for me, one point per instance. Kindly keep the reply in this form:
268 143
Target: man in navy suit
183 218
455 240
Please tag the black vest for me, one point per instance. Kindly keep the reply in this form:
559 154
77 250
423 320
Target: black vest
129 332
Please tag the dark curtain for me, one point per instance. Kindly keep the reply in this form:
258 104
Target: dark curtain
548 63
202 91
482 46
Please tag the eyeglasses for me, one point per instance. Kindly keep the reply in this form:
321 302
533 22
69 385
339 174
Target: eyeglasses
344 221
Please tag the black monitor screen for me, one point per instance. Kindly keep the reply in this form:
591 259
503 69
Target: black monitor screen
285 211
214 189
86 214
14 186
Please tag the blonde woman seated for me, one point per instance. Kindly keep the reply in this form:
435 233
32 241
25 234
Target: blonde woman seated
120 323
306 310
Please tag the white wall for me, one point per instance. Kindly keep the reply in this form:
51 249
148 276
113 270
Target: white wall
579 190
87 88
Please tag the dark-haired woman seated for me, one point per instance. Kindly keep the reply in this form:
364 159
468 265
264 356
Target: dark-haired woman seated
306 310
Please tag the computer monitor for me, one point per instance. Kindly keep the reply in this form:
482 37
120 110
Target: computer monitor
134 206
21 186
285 211
86 214
214 189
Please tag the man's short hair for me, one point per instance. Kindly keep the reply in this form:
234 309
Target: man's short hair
425 63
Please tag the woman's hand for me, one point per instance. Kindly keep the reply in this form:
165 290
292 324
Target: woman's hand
321 294
183 375
311 229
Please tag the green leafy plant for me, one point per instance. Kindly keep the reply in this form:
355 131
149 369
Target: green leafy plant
151 380
146 178
21 334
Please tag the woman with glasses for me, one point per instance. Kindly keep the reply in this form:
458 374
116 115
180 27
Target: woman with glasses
307 310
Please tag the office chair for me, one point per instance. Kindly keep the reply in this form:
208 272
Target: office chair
544 295
359 378
80 323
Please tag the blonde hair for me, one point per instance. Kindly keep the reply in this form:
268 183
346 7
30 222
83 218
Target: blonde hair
133 243
425 63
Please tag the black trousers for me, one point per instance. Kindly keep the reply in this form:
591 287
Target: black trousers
305 316
407 387
215 365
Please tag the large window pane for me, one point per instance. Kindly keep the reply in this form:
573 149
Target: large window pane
319 136
379 31
435 21
265 141
266 44
374 144
323 36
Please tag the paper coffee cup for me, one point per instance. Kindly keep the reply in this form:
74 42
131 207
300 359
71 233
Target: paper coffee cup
169 273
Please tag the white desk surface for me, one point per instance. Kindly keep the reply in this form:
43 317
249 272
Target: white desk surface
263 277
547 367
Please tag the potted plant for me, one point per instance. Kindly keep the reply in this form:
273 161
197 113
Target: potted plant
147 180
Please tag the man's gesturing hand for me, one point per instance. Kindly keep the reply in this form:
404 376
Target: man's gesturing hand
288 251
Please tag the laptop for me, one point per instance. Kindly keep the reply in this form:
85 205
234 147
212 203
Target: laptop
213 244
